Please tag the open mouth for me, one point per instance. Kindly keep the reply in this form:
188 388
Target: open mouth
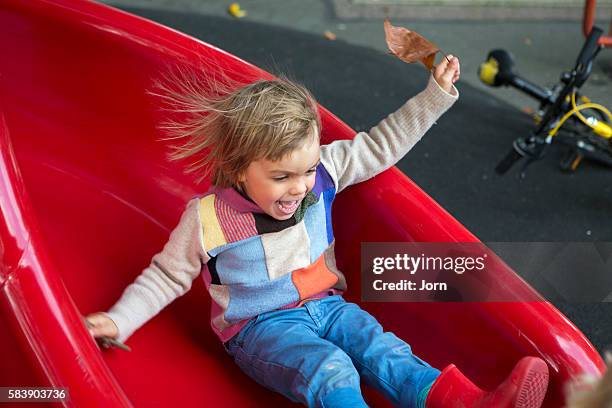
287 207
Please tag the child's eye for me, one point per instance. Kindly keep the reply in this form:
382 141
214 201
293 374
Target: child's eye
283 178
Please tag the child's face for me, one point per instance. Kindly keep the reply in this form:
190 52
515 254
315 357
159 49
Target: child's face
278 187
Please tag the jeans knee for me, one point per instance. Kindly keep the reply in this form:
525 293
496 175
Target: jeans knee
334 372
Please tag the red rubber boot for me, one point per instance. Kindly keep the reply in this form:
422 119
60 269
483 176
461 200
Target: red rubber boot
525 387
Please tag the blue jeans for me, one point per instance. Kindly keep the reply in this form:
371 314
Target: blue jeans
316 353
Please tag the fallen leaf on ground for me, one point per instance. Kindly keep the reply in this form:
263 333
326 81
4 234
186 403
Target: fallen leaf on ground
235 10
329 35
528 110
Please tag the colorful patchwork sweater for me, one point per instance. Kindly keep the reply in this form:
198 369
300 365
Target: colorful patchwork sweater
252 263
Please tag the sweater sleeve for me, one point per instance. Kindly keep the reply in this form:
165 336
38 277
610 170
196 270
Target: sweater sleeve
169 275
368 154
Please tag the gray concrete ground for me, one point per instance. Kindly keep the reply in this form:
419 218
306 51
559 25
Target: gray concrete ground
542 49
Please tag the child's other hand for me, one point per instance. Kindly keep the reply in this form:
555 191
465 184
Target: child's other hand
447 73
101 325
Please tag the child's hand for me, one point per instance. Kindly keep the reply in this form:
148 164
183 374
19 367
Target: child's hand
101 325
447 73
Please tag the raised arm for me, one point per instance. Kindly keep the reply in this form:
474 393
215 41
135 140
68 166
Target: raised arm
169 275
368 154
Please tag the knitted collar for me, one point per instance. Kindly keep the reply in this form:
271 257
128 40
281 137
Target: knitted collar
236 200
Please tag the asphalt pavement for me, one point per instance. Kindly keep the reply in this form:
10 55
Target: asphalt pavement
454 162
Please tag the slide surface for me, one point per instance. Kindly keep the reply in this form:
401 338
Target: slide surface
87 197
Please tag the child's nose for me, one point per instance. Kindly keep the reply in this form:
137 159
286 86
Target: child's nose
298 188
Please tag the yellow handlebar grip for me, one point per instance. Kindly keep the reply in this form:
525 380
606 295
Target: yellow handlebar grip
600 127
488 71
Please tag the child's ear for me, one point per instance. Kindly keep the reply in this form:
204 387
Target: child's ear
240 182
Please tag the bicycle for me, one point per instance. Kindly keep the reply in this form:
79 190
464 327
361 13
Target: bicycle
564 115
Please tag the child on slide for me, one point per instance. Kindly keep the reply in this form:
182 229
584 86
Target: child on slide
262 237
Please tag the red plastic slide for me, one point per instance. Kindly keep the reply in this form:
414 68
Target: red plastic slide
87 197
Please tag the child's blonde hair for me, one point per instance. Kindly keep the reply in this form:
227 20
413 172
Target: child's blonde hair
228 124
591 392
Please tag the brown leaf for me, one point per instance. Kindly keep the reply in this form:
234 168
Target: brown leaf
528 110
409 46
329 35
